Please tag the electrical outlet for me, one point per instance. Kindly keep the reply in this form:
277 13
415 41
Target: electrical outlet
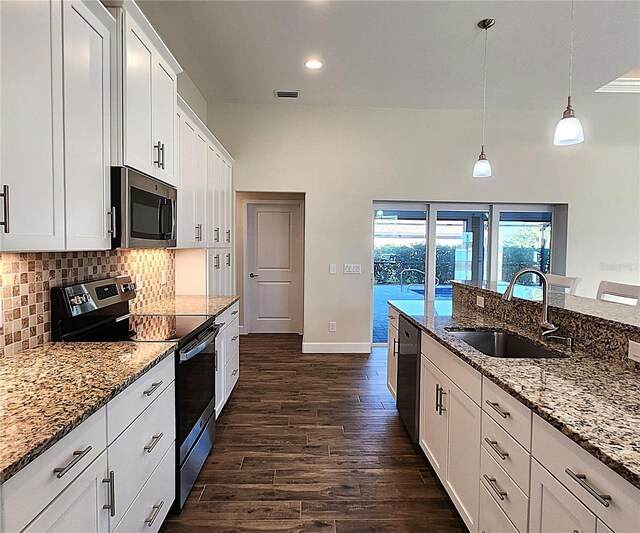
332 327
333 268
163 277
480 301
634 351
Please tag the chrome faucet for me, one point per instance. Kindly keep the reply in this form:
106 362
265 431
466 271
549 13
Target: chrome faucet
546 327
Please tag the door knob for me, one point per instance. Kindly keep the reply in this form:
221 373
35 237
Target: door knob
252 275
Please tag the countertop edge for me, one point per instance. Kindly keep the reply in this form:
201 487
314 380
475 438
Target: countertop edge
610 462
235 300
14 468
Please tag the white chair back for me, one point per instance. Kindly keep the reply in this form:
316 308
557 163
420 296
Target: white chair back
565 282
619 290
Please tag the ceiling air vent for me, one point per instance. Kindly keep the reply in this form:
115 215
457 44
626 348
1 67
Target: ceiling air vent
286 95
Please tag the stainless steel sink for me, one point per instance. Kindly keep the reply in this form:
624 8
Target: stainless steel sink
501 344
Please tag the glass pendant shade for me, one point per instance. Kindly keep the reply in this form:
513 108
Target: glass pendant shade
482 168
569 130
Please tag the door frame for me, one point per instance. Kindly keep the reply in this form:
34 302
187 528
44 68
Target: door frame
244 329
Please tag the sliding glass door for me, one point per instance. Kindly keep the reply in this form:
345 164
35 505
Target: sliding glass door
399 250
419 249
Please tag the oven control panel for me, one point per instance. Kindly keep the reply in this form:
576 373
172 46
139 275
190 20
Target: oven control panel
85 297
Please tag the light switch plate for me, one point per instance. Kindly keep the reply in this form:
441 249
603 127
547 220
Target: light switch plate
634 351
480 301
332 326
333 268
164 277
350 268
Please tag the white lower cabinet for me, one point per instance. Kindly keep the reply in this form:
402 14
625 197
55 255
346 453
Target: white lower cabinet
137 452
450 437
554 508
90 481
80 507
392 358
151 506
506 469
492 519
227 356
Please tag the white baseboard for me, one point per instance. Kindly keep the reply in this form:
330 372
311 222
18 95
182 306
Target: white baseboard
336 347
241 330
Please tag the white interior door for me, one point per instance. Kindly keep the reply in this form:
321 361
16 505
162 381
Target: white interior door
273 284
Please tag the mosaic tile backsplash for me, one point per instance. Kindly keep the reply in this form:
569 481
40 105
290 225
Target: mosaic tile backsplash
28 277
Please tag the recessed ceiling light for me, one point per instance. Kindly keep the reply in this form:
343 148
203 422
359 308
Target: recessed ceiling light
313 64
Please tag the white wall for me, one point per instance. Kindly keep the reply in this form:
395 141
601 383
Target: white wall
345 158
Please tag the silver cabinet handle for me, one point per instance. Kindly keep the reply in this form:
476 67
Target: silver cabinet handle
234 372
216 261
5 198
395 342
494 485
234 338
234 312
163 156
496 407
228 259
437 397
581 479
78 455
154 441
216 236
494 446
215 367
112 220
391 317
112 493
158 147
153 388
441 408
154 514
228 235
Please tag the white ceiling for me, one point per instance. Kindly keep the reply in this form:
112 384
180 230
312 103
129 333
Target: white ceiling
420 54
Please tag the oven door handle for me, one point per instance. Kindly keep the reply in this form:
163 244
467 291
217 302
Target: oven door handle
208 340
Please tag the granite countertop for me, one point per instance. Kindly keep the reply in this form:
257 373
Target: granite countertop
189 305
48 391
612 311
592 401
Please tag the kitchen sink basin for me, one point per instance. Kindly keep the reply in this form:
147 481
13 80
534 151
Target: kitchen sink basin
501 344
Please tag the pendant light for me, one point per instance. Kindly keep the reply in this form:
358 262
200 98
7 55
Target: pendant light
569 130
482 168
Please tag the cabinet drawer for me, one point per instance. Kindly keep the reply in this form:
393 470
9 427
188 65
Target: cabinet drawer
154 499
232 339
512 500
559 454
228 316
232 373
30 490
133 456
465 377
127 405
492 518
504 449
393 317
508 412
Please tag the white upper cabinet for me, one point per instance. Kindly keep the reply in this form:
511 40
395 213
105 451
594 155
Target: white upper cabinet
146 95
88 28
31 152
205 195
55 125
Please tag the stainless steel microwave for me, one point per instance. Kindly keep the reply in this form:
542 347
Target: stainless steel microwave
144 210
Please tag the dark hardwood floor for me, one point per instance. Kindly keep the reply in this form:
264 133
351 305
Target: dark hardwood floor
313 443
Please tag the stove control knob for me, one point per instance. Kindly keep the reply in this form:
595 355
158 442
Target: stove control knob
128 287
79 299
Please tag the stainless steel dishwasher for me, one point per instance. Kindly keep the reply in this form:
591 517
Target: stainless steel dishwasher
408 391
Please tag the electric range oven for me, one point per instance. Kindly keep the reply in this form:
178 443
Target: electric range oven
98 311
